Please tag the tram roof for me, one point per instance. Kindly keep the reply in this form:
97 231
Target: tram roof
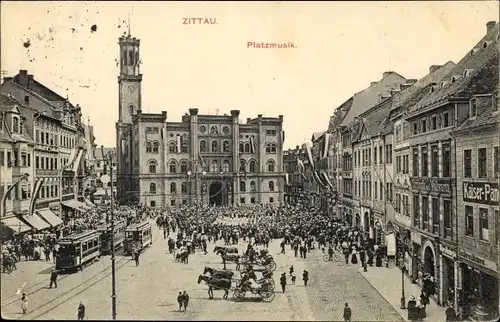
105 226
79 235
138 226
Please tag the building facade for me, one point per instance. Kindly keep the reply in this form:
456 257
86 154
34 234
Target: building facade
294 175
57 163
203 159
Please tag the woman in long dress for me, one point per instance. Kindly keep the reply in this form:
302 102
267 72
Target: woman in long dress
24 303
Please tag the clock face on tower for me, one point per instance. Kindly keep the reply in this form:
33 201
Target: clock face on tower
131 88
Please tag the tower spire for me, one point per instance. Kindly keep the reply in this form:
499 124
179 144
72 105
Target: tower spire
129 23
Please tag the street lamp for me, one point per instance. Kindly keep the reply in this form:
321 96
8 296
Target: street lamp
402 265
196 165
108 158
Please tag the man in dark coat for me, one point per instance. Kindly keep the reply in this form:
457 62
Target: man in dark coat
283 282
53 278
81 311
347 312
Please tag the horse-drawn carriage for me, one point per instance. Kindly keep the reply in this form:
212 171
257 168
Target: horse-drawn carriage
264 260
264 290
228 255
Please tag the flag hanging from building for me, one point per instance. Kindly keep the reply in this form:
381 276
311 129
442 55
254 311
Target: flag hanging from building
327 143
286 178
300 166
71 158
34 196
179 142
76 164
252 145
163 135
123 146
327 179
90 155
309 154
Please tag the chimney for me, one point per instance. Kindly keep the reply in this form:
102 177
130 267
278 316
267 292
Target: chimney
490 25
373 83
433 68
23 78
193 111
235 113
411 81
30 81
248 120
297 147
385 74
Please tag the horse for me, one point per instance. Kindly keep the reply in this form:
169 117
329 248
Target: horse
216 284
8 263
234 258
231 250
218 273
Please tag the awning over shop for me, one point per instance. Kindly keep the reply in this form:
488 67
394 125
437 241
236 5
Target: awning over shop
89 203
75 204
50 217
36 221
15 224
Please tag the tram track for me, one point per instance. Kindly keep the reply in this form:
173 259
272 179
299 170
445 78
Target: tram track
78 289
33 289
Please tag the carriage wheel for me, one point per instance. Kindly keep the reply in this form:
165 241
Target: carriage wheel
271 284
337 258
267 296
238 295
326 258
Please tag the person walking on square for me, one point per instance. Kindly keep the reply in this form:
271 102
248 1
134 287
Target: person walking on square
24 303
53 278
185 300
283 282
347 312
180 300
305 277
81 311
136 258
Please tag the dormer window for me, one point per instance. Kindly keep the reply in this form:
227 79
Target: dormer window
485 44
443 84
15 124
453 79
467 72
27 99
473 108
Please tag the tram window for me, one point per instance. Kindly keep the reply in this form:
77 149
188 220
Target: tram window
84 246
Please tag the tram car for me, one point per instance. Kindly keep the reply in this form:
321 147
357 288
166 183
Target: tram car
138 237
105 231
78 250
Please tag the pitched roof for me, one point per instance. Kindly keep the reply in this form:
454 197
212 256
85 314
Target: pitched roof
38 87
40 104
7 103
339 114
456 82
371 96
98 153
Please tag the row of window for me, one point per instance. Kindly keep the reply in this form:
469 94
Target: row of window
364 189
184 187
9 159
363 157
437 163
422 213
431 123
214 166
481 161
483 221
48 138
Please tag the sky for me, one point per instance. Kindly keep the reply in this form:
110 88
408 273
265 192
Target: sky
340 48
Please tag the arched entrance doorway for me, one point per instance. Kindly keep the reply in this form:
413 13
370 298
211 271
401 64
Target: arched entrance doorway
215 194
366 218
357 220
429 261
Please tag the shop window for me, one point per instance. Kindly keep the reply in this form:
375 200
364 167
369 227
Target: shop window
271 199
483 224
469 221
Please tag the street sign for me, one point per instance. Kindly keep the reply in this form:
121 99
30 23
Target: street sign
105 179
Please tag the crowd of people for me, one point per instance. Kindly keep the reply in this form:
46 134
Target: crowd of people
299 229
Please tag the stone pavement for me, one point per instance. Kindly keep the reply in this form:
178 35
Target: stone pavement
148 292
29 272
387 281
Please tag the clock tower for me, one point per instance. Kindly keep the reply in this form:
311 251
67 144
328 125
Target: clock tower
129 81
129 102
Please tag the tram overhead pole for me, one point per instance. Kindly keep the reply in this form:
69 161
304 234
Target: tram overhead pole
108 158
